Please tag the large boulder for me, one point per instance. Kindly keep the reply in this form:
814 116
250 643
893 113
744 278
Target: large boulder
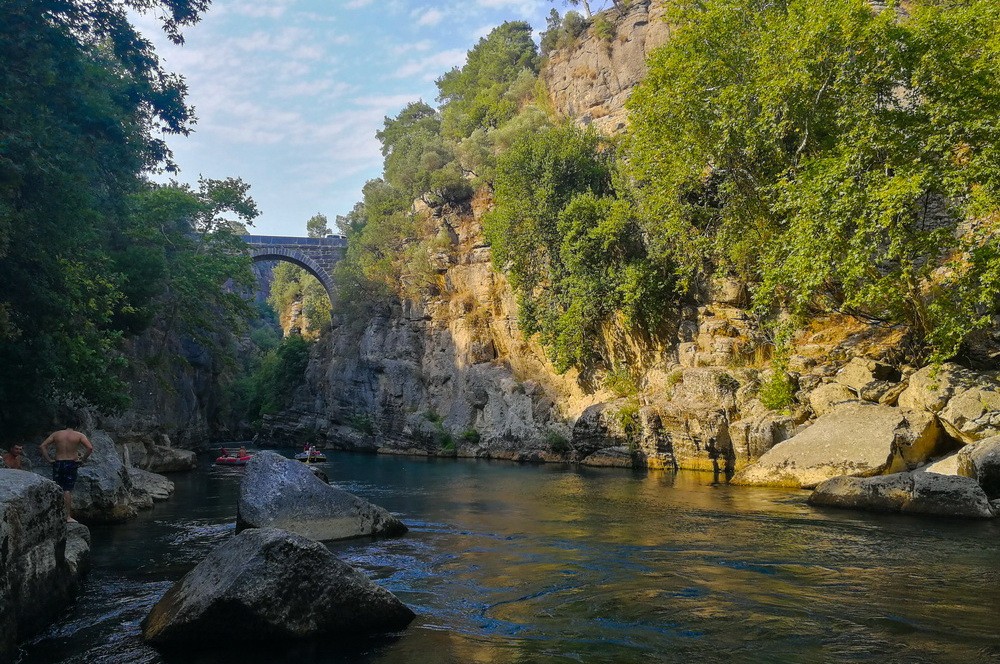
981 461
103 492
273 585
911 493
281 493
855 439
156 486
827 396
967 402
40 556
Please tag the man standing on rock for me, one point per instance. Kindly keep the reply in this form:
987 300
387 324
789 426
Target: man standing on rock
12 459
67 443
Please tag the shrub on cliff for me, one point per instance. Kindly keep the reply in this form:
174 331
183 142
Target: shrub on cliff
834 156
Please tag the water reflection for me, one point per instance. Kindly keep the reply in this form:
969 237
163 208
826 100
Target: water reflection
507 563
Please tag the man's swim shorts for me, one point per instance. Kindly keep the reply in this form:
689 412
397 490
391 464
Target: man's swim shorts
64 474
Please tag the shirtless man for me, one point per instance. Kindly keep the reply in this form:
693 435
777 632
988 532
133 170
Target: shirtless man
13 458
67 443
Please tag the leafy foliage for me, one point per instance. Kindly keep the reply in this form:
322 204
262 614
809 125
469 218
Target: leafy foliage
89 251
829 154
570 247
478 94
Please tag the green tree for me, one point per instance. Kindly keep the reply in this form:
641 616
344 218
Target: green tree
418 161
476 95
84 106
832 155
318 226
571 247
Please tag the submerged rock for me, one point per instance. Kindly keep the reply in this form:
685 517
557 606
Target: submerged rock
41 557
273 585
281 493
858 440
912 493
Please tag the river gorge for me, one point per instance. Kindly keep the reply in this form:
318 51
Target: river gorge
551 563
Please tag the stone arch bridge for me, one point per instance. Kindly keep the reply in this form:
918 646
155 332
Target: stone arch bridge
317 255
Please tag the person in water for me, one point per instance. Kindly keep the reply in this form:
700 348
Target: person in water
12 458
67 443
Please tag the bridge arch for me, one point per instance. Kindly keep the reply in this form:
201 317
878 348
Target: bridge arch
316 255
298 258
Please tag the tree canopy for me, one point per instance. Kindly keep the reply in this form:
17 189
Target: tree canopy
832 155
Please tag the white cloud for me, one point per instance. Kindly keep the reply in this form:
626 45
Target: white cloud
433 65
429 17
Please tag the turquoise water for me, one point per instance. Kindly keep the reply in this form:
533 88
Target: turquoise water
520 563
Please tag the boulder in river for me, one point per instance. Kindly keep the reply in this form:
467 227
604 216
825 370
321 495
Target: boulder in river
911 493
860 440
105 492
267 584
281 493
41 556
981 461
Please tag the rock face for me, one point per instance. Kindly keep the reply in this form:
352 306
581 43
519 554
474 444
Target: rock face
857 440
281 493
155 453
591 81
912 493
981 462
40 558
967 402
275 585
105 492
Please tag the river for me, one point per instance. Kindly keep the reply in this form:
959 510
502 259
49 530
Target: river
523 563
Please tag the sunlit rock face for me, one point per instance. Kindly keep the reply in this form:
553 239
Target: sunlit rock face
41 559
858 440
981 461
274 585
282 493
591 80
967 402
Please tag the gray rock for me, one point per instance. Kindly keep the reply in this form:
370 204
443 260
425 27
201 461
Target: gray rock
276 586
103 492
40 562
946 465
981 461
886 493
827 396
967 402
858 440
158 487
910 493
948 495
281 493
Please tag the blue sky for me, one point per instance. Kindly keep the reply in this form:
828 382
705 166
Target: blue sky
289 93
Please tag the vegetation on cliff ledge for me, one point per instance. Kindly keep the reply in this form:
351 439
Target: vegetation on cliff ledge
832 156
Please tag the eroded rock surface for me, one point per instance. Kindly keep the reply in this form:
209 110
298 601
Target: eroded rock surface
858 440
967 402
41 559
912 493
282 493
269 584
981 461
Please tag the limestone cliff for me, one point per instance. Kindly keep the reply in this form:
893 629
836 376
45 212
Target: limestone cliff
590 81
450 372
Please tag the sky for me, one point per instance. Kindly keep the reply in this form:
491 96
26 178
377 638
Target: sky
289 93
